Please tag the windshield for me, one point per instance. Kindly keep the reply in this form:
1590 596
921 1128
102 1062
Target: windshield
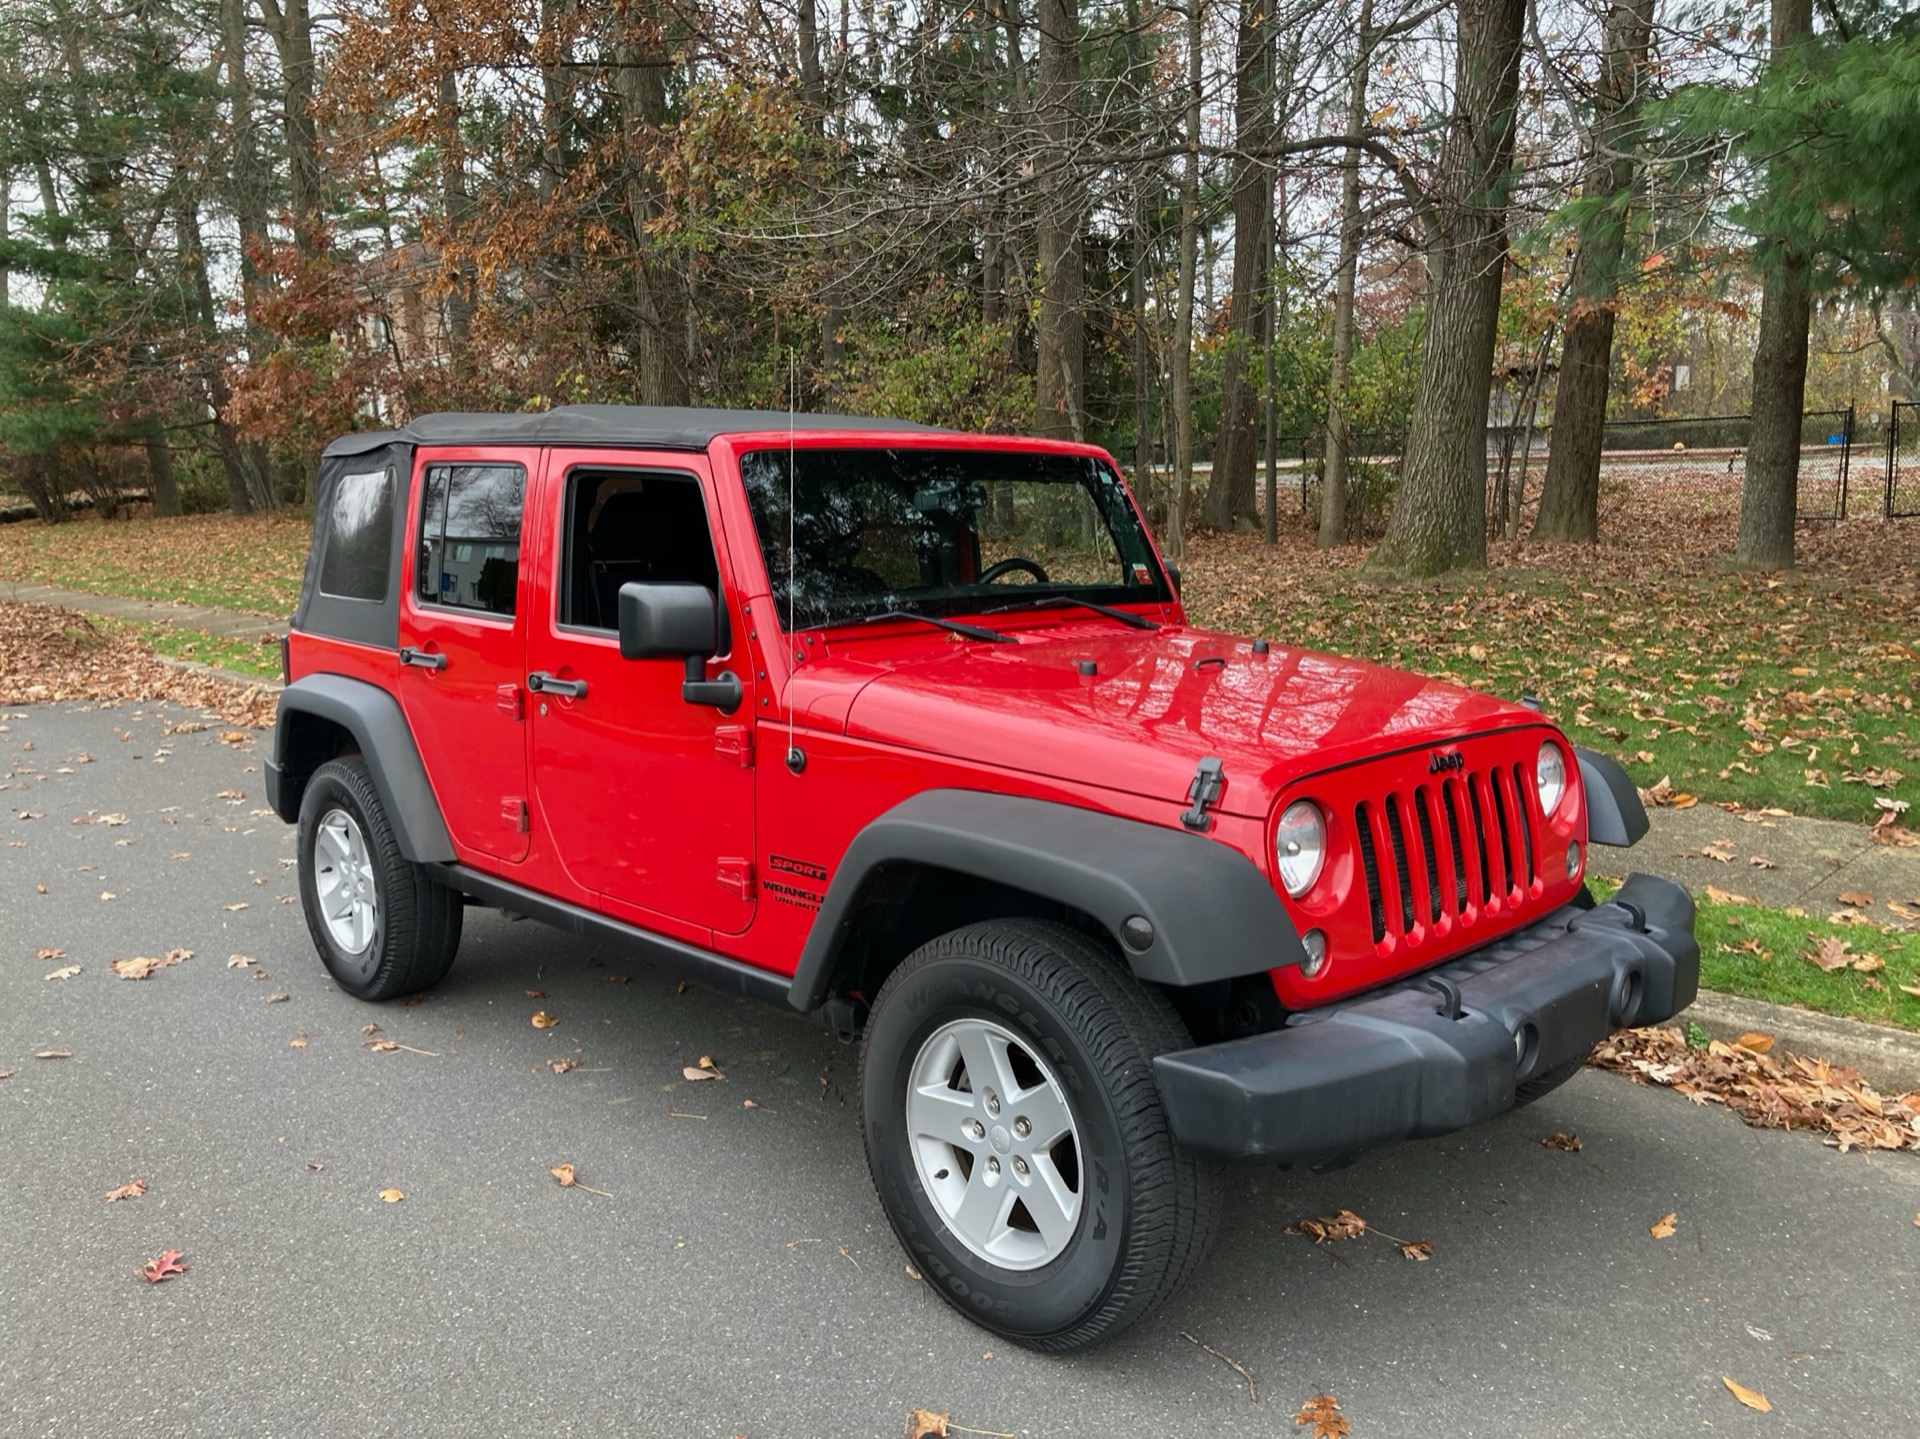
944 531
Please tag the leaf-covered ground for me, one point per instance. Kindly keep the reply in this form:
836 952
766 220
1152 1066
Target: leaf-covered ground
251 564
1795 690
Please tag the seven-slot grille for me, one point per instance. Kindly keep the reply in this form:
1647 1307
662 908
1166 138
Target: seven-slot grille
1448 844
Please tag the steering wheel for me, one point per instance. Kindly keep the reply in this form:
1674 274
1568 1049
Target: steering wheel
1008 566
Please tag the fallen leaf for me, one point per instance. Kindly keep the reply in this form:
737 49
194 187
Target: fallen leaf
369 1029
1663 1228
231 907
1755 1043
1420 1249
233 736
1912 989
49 954
1858 898
105 894
561 1066
925 1424
240 961
54 1054
165 1267
1867 964
564 1173
1323 1413
66 971
536 994
1570 1143
543 1020
690 1072
1761 862
142 966
1720 849
1344 1225
391 1196
1830 953
1747 1396
1721 896
131 1190
379 1046
277 999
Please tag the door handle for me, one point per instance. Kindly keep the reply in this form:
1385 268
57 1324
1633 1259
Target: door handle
420 658
542 683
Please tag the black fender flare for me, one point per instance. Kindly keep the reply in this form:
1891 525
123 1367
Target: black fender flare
1615 815
379 727
1214 915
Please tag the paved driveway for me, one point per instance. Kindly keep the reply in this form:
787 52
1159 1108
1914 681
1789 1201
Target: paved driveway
741 1279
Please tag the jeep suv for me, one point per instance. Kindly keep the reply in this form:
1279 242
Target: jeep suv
907 729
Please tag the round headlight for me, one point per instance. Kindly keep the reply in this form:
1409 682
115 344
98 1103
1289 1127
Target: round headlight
1550 776
1300 846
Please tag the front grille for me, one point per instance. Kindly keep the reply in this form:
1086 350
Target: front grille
1433 852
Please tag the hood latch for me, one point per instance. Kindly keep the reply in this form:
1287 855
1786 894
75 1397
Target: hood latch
1209 783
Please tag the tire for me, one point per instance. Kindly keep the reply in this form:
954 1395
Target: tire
1130 1215
402 942
1541 1085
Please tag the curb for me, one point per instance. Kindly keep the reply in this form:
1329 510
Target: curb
1889 1059
213 672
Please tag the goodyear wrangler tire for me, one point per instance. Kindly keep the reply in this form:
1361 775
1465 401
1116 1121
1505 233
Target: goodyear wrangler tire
1016 1136
383 928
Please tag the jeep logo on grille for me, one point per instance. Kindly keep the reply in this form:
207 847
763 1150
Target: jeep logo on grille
1440 761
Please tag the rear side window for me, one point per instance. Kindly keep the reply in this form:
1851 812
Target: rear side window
469 554
359 537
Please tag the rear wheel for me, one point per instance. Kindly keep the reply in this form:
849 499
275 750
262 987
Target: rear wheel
1017 1139
383 928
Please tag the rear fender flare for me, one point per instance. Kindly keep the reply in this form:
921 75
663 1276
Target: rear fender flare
379 729
1214 915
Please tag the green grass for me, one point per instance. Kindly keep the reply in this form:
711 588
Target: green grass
252 564
244 657
1795 691
1762 953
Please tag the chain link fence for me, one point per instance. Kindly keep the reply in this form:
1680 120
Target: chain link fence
1903 461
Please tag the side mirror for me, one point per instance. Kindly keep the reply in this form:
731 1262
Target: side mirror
1173 573
677 621
668 622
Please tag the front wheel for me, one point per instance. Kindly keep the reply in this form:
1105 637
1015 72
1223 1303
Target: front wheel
382 926
1016 1136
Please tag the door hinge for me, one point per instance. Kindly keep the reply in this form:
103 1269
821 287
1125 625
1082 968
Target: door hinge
508 700
734 742
513 809
736 877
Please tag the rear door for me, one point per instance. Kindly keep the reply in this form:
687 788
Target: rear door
463 643
648 799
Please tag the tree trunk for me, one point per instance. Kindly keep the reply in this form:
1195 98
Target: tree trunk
292 31
1570 497
1333 477
1142 358
213 364
1230 496
1060 363
1439 519
1770 494
456 212
1181 379
813 95
661 316
166 486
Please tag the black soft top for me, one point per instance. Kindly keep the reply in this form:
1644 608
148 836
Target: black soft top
637 426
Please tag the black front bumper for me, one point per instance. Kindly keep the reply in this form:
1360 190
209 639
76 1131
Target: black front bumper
1400 1063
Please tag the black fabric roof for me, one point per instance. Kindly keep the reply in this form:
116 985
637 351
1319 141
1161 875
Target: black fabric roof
612 425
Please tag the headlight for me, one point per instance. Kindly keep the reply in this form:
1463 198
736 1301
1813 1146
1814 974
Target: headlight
1300 846
1550 776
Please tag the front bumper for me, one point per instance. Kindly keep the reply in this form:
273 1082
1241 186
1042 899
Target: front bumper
1404 1063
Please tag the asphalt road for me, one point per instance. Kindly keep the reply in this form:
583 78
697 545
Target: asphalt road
741 1279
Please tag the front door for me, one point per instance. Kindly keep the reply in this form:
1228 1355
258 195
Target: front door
648 799
463 644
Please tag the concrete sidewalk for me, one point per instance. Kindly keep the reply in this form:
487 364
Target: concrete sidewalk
227 624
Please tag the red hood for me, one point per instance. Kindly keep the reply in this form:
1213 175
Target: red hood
1157 703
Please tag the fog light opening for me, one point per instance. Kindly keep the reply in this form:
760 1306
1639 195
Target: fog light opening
1526 1050
1314 942
1573 859
1627 995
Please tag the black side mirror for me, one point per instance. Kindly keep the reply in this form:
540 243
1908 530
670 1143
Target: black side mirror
668 622
679 621
1173 573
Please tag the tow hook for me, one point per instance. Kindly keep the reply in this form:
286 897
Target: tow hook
1449 993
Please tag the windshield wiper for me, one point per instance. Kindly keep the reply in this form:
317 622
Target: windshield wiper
972 632
1126 617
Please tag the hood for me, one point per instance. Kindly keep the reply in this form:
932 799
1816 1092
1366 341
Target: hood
1155 704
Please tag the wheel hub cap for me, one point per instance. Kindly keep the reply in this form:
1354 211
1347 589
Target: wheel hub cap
343 881
978 1092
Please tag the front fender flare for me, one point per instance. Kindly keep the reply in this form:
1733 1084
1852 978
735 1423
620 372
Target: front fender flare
379 729
1214 915
1615 815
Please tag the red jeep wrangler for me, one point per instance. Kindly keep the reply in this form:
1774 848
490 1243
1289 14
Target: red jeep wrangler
907 729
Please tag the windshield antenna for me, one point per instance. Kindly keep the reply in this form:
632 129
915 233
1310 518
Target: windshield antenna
796 761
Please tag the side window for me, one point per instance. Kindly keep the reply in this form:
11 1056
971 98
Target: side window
359 537
625 526
469 554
